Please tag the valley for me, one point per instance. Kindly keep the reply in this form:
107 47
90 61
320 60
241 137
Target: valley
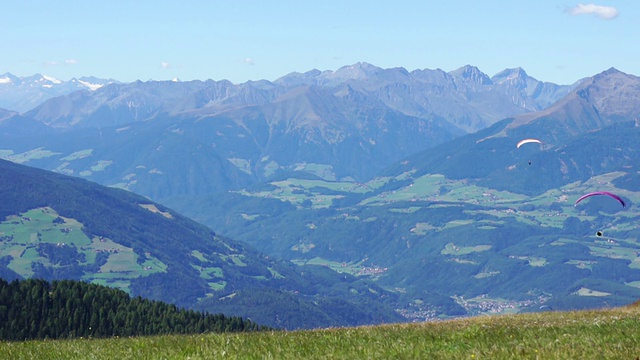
360 199
419 209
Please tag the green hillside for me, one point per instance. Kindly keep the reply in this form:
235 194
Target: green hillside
599 334
471 235
56 227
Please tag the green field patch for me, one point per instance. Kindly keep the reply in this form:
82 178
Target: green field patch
560 196
424 187
202 271
237 259
635 284
497 212
78 155
317 185
22 263
635 263
377 182
532 260
198 255
562 242
443 205
121 260
405 175
303 247
354 268
461 192
62 169
242 164
428 184
323 171
583 291
4 154
422 228
117 282
485 274
14 251
297 191
249 217
217 286
324 201
455 223
406 193
154 265
550 218
154 209
407 210
38 153
613 250
463 261
101 165
270 168
582 264
452 249
209 273
215 272
41 225
275 274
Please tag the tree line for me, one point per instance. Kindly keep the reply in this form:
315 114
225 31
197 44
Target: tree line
37 309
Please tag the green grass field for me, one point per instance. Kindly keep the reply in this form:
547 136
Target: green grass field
595 334
22 234
26 156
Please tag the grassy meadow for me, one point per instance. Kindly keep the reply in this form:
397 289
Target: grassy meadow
594 334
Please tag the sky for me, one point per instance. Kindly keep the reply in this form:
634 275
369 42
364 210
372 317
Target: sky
555 41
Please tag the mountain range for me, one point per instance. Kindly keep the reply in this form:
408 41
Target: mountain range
350 123
20 94
476 217
409 181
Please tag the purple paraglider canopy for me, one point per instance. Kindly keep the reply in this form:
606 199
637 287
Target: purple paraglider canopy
601 193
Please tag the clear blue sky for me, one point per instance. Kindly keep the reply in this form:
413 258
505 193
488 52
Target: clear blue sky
242 40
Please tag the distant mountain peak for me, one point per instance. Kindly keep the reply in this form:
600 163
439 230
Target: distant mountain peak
7 78
510 75
611 76
50 79
358 70
471 73
611 71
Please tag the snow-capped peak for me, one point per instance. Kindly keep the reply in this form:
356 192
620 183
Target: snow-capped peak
51 79
5 80
89 85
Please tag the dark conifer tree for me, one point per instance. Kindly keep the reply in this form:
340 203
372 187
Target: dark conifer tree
36 309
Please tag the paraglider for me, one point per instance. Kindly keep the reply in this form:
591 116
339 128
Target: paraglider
526 141
601 193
